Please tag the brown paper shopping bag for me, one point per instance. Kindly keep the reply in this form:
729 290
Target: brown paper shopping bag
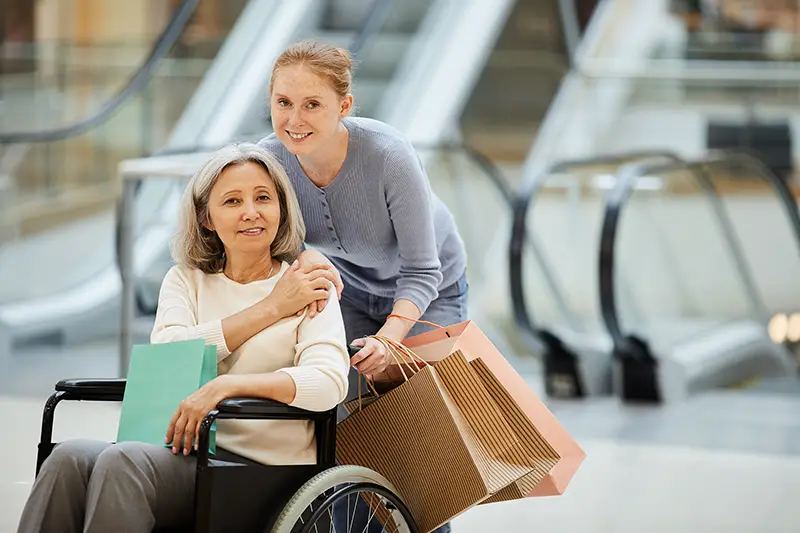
442 441
467 338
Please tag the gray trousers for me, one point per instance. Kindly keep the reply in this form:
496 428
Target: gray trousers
96 487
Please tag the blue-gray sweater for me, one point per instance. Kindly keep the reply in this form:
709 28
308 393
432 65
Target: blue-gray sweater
378 221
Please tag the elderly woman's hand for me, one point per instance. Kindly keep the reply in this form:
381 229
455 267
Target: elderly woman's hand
185 424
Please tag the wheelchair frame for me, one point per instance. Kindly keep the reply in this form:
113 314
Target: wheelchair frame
254 496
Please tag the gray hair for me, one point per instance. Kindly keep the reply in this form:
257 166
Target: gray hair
195 246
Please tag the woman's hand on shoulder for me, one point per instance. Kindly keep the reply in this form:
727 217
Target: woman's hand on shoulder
313 259
298 288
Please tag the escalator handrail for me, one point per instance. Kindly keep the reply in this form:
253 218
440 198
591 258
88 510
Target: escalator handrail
781 188
522 203
489 167
136 84
618 196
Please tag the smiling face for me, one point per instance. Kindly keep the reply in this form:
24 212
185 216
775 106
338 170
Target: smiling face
305 109
244 209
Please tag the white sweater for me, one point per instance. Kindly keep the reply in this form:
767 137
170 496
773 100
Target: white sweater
313 352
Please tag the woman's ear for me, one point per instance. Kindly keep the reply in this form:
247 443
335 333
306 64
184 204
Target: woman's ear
347 105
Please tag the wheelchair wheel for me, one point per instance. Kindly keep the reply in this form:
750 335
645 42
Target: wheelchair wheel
328 502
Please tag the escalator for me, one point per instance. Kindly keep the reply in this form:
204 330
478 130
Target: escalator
673 298
625 94
699 250
553 264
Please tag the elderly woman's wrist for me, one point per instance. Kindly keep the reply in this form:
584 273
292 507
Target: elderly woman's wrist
225 387
270 311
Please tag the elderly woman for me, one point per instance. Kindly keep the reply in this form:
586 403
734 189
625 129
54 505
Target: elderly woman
236 284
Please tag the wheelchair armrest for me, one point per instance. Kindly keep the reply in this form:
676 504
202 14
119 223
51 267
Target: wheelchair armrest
265 409
261 409
108 390
93 390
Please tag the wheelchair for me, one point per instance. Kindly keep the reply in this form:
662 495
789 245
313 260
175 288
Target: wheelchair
253 498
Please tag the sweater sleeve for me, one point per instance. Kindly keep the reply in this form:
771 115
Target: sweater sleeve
321 361
409 200
176 316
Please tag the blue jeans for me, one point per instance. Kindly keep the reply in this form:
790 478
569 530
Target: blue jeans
364 314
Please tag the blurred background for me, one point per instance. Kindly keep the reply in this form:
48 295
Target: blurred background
623 173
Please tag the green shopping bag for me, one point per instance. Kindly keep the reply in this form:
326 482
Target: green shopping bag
160 376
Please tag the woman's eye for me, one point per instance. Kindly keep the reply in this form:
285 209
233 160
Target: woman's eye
313 105
231 201
283 102
263 198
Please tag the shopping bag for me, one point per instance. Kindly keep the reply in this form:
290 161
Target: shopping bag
160 376
441 440
467 338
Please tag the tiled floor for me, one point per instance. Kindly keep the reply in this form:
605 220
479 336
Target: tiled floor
727 461
630 488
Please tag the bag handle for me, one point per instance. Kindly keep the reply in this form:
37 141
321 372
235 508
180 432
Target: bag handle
371 387
395 315
397 349
386 343
394 348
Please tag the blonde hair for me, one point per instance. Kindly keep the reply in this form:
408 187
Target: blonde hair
324 60
195 246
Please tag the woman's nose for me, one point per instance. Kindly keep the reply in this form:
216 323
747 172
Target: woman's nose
250 211
295 117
